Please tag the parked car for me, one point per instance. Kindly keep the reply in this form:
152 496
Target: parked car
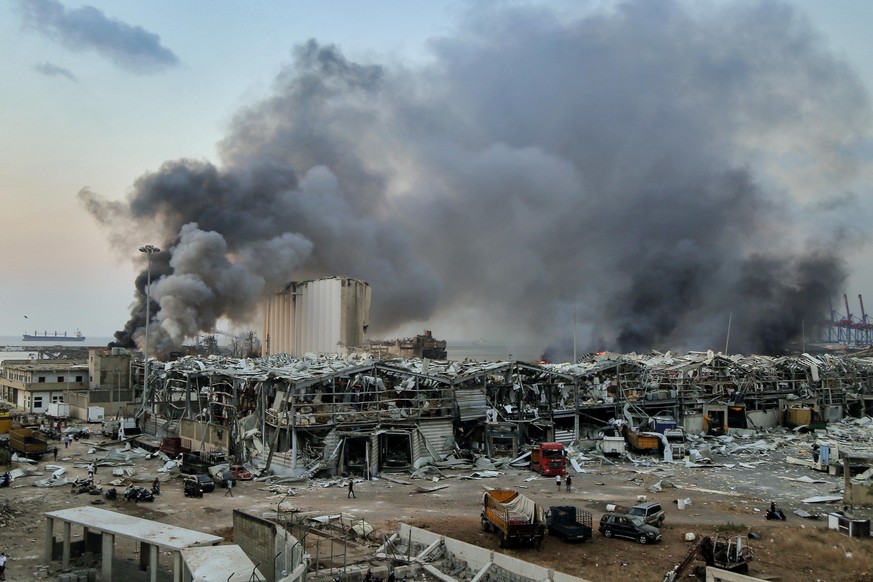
240 473
651 512
206 482
628 526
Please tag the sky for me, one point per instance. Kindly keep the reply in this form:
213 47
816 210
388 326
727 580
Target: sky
649 170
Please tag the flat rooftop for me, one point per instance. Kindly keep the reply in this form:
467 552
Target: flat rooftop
153 532
228 563
37 365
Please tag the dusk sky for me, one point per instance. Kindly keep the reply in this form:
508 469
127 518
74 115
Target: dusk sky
99 96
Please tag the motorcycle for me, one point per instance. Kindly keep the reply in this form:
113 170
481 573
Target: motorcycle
5 480
111 494
774 513
137 494
82 485
192 488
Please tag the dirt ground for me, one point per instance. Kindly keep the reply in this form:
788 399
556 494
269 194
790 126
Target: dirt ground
730 499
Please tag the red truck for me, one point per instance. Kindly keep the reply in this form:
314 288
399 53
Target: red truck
548 459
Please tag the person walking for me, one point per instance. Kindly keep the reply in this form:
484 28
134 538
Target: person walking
351 489
569 482
55 453
229 488
558 481
2 565
66 441
90 471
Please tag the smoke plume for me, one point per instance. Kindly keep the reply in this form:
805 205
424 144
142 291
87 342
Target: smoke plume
629 164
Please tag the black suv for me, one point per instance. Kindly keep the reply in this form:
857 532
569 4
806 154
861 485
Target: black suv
651 512
628 526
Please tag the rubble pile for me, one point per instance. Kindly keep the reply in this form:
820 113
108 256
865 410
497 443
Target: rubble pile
8 513
321 415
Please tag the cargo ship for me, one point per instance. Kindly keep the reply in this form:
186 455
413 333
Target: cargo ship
45 337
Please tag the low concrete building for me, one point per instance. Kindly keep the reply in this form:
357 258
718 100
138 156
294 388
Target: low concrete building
104 380
31 385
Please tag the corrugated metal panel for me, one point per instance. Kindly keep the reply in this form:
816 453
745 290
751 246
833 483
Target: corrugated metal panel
330 443
374 454
471 403
439 434
564 437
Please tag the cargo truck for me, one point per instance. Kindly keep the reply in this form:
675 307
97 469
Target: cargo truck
95 414
515 518
640 441
548 459
569 523
28 442
58 410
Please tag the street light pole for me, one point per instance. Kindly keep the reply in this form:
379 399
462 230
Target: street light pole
149 250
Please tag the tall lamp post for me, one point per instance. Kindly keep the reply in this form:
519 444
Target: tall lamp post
149 250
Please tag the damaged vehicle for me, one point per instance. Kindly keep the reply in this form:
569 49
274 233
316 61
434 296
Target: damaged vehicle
651 512
628 526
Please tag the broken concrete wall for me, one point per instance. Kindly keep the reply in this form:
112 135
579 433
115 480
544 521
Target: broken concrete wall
203 436
692 422
266 544
762 418
718 575
494 566
859 494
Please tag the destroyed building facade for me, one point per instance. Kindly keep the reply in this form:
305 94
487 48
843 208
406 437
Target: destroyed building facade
357 415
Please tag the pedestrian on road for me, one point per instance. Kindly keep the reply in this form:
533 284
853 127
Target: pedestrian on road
569 483
558 481
66 441
229 488
351 489
55 453
90 470
2 565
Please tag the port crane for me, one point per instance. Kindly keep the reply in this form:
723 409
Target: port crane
849 329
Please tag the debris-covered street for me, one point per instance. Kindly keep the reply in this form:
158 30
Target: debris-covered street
726 490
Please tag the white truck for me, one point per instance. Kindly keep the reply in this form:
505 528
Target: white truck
58 410
95 414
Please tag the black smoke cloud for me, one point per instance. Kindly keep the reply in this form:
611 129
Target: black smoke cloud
129 47
624 164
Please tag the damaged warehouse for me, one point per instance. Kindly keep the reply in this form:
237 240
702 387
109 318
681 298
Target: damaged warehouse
356 415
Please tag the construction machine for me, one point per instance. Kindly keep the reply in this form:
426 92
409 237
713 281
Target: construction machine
731 553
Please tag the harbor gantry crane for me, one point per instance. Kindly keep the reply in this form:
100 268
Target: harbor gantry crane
848 329
864 327
845 324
